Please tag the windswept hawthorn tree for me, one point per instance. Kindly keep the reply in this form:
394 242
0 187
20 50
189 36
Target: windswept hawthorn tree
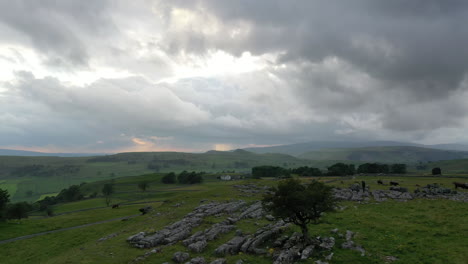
300 204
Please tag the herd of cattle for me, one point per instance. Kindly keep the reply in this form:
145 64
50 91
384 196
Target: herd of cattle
456 184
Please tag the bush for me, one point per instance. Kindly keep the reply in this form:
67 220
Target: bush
270 171
169 178
18 210
341 169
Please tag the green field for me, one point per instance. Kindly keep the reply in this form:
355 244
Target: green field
44 175
417 231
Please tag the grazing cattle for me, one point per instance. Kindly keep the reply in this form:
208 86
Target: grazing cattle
392 183
380 182
115 206
461 185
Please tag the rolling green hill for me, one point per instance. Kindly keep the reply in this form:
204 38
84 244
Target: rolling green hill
28 178
400 154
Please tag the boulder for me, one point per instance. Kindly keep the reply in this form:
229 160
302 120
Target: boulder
219 261
180 257
231 247
198 246
197 260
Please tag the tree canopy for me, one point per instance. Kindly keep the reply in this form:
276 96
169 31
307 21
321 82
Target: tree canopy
108 190
143 185
269 171
169 178
300 204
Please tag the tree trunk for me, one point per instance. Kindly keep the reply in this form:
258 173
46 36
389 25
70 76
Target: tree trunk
305 233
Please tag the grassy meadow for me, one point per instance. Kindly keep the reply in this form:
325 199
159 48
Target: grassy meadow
30 178
417 231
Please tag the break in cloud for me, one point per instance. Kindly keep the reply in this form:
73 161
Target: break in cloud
108 76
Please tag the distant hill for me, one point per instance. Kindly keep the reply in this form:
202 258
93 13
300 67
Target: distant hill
459 147
44 175
403 154
301 148
13 152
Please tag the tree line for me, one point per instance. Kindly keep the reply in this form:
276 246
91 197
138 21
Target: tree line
184 177
337 169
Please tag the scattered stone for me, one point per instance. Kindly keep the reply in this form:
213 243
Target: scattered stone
197 260
349 235
390 258
329 257
320 262
327 243
108 237
252 243
307 252
180 257
219 261
136 237
334 231
351 245
231 247
198 246
270 218
240 261
182 229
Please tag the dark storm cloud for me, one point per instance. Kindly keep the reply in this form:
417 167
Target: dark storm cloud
322 70
419 46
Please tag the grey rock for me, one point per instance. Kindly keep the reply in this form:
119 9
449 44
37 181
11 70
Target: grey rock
334 231
198 246
351 245
219 261
182 229
180 257
197 260
136 237
390 258
231 247
270 218
327 243
329 257
108 237
320 262
240 261
307 252
349 235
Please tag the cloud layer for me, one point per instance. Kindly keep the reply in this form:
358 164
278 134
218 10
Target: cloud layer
196 75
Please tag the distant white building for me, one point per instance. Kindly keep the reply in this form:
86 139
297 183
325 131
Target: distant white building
225 177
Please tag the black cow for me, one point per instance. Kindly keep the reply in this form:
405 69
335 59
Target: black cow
461 185
114 206
392 183
380 182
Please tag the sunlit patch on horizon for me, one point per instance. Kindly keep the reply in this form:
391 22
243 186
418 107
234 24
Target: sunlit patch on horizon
223 147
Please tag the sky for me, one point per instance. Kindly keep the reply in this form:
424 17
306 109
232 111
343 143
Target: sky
114 76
